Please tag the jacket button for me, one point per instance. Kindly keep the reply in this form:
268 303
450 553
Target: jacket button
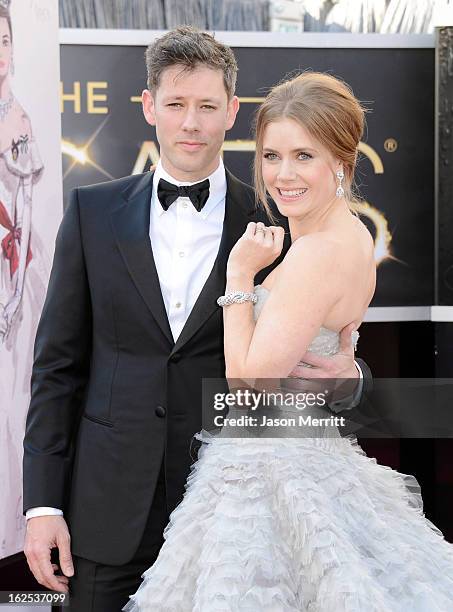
175 357
160 411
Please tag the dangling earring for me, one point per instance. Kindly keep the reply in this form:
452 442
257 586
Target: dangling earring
340 190
11 66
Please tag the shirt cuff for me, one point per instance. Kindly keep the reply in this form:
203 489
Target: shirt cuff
42 511
359 370
350 401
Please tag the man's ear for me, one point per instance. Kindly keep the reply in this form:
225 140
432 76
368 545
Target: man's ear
148 107
232 111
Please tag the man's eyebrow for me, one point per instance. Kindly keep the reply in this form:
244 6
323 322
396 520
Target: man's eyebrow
211 100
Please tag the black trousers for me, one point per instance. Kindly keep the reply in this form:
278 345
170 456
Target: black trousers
106 588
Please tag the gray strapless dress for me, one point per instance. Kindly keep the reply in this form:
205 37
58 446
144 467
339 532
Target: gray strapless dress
297 524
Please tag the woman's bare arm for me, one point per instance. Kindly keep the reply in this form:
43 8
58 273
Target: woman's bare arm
305 290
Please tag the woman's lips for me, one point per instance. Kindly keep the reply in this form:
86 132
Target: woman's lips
291 195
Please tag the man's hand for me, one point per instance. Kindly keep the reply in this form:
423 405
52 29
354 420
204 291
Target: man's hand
336 366
43 534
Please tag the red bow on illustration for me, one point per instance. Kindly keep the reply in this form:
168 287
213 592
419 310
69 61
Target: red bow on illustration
10 241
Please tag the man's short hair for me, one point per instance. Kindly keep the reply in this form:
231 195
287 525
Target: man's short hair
188 47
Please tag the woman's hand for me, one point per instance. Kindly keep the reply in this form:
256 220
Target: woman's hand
256 249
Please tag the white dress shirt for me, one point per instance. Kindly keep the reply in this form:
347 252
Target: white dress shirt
185 244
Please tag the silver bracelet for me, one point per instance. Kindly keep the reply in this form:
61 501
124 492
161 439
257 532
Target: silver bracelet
236 297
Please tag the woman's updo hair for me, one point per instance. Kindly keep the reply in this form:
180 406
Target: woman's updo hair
327 108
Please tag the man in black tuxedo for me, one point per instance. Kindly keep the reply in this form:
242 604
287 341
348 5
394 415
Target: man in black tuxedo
129 328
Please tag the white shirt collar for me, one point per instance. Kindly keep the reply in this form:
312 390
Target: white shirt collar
217 188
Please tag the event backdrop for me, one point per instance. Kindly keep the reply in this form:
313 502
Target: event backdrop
105 136
30 212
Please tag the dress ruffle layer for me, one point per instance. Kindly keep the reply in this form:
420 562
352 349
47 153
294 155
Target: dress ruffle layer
291 525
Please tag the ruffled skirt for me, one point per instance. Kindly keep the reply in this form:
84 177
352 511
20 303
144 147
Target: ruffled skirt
291 525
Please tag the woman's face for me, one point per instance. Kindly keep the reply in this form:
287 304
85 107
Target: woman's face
299 173
5 48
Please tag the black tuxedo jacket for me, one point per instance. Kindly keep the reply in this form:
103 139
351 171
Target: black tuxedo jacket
112 394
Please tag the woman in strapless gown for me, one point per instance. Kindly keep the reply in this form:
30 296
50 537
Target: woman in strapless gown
295 522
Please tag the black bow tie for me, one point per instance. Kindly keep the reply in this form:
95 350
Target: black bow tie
169 193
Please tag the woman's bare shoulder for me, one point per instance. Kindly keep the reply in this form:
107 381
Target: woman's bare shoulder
317 254
363 230
333 252
323 245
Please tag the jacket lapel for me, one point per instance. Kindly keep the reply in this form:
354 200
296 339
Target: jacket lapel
130 224
239 210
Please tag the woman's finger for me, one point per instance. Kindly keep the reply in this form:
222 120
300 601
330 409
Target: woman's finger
250 230
268 238
279 237
260 232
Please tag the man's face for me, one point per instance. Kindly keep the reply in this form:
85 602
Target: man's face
191 112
